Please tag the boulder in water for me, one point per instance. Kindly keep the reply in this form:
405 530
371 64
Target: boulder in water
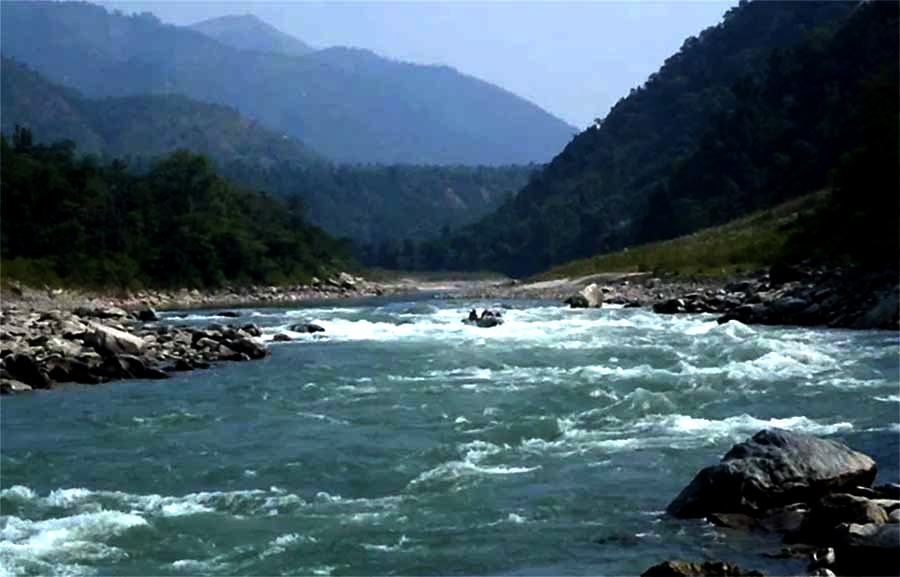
147 315
577 301
592 296
306 328
773 469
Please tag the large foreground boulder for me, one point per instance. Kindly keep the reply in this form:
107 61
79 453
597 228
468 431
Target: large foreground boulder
773 469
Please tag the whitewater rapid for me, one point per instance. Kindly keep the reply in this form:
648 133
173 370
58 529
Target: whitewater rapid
402 440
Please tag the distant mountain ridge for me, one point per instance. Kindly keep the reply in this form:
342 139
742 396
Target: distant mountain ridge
139 126
247 32
350 105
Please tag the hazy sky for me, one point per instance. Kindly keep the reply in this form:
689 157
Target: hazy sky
574 59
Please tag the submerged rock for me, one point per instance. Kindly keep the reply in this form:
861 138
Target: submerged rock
773 469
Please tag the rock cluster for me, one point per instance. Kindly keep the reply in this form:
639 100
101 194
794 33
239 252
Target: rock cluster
95 344
804 296
811 491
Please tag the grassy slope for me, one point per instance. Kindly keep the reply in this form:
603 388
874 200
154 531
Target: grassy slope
749 243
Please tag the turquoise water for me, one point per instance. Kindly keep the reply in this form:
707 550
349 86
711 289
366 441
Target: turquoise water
404 442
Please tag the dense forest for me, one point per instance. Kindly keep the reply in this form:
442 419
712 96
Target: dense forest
348 104
778 100
371 204
73 220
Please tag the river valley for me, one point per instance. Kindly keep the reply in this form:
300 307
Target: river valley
401 441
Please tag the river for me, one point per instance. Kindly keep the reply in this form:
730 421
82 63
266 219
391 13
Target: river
402 441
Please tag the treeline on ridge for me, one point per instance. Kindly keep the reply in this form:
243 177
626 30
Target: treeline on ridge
779 100
69 220
377 206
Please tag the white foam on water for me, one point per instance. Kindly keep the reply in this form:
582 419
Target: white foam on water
18 493
738 425
734 330
889 399
62 544
191 566
701 329
321 417
398 546
456 470
674 431
80 500
284 542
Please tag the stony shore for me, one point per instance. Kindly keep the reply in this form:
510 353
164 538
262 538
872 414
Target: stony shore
853 297
49 337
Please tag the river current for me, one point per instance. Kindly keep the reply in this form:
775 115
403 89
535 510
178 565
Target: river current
401 441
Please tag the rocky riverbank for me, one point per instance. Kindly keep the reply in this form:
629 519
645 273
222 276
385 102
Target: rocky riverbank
816 495
48 337
855 297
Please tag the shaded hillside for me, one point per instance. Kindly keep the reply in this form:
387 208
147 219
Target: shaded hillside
350 105
370 204
247 32
74 221
753 111
380 206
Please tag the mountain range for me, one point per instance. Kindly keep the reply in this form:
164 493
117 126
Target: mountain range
348 104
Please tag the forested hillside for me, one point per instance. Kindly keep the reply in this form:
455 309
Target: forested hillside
757 109
350 105
71 220
373 205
